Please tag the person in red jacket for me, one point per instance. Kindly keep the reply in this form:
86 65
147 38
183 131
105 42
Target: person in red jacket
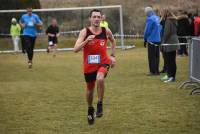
196 25
93 41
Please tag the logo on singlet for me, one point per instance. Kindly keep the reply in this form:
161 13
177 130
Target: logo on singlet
102 42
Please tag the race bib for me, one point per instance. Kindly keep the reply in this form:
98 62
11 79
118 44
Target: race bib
94 59
30 23
50 43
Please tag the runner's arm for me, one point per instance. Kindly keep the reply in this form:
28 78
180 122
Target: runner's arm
50 35
80 43
22 23
113 46
112 40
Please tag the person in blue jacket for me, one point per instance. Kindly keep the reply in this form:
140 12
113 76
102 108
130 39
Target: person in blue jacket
152 37
30 22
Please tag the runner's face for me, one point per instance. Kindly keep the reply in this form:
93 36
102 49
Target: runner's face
54 22
95 19
29 11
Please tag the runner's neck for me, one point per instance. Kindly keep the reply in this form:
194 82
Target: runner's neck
95 30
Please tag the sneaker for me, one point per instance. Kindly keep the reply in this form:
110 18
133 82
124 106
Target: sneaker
99 112
164 78
171 79
90 116
29 64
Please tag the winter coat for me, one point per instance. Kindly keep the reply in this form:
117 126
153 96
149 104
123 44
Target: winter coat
152 29
183 25
170 35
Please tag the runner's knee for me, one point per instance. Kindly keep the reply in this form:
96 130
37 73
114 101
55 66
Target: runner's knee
100 78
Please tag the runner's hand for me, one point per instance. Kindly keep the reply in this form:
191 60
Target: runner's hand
90 38
145 44
113 61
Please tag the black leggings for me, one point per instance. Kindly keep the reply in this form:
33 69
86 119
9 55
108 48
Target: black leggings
170 58
164 66
22 44
29 44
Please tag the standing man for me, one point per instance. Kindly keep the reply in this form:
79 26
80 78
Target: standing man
103 22
93 41
29 22
15 33
152 37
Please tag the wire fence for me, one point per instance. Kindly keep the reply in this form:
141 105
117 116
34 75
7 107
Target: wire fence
194 67
42 36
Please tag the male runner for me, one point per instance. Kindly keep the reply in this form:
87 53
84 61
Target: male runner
93 40
29 22
53 34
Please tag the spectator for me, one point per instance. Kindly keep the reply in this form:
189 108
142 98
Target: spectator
103 22
182 31
15 33
171 39
196 25
152 37
191 24
162 23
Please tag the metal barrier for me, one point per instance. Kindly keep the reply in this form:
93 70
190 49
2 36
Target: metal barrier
194 67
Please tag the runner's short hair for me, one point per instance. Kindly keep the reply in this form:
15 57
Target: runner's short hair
95 10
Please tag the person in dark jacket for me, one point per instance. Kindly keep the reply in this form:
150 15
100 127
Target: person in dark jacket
152 37
191 24
170 42
183 31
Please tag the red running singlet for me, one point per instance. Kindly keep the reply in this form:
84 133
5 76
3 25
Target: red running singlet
95 52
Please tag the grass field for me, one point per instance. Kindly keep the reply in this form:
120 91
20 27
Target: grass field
50 98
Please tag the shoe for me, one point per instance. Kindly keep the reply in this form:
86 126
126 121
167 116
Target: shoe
99 112
90 116
29 64
171 79
164 78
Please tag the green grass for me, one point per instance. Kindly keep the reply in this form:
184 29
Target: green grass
50 98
